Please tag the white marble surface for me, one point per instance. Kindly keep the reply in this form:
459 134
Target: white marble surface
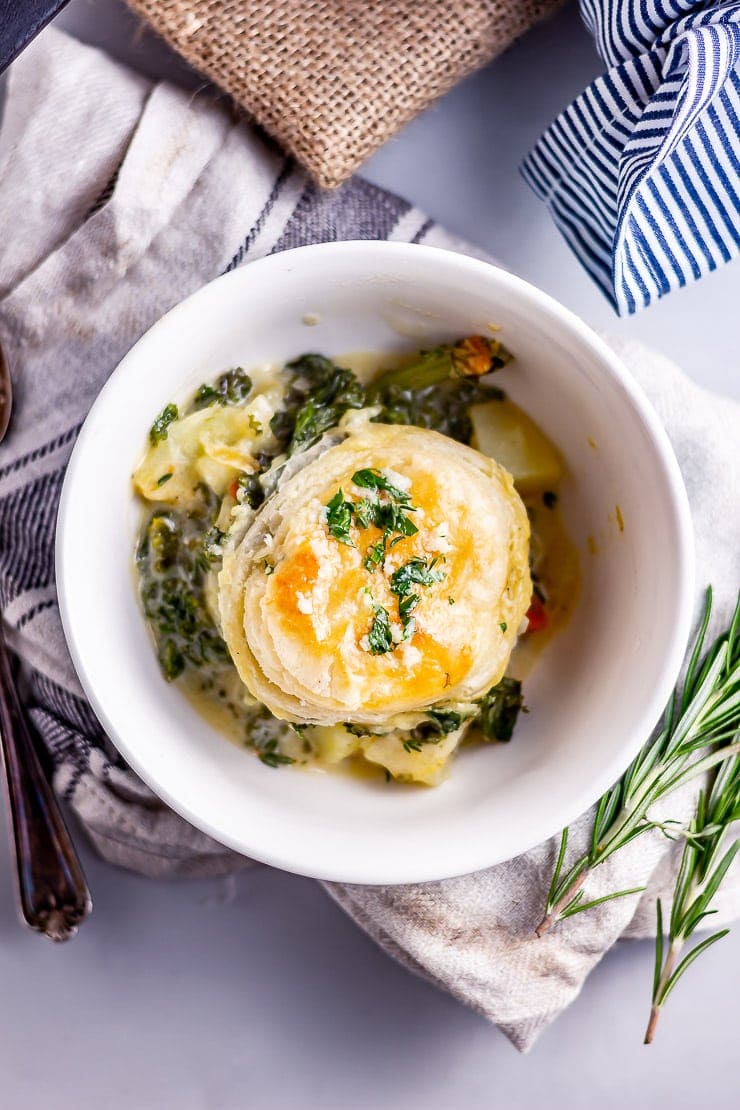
256 991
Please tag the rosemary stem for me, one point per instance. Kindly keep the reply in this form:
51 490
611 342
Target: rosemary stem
665 975
553 916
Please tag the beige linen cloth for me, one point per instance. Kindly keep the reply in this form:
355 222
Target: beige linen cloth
332 80
117 199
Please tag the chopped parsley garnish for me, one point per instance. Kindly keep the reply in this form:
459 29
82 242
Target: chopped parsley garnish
375 555
450 601
402 582
375 479
158 430
364 513
380 637
503 626
389 516
406 606
339 518
415 572
392 518
164 478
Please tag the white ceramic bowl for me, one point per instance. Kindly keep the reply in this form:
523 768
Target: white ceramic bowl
598 688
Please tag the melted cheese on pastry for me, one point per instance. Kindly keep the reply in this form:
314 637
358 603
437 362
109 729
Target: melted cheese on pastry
297 605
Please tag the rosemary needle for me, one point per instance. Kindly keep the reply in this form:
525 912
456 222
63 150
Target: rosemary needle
700 733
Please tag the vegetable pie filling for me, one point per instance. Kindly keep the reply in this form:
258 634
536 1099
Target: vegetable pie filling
331 569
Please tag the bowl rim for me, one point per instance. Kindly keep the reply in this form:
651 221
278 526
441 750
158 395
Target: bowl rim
538 830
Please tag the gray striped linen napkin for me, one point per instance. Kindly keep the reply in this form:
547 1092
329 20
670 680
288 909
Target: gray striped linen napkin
117 199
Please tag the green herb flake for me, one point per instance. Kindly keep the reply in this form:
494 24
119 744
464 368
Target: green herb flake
158 430
503 626
380 637
164 478
414 572
271 757
412 744
339 518
392 518
450 601
406 606
375 555
364 511
370 478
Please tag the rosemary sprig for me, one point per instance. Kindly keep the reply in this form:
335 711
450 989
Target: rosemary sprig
704 715
704 863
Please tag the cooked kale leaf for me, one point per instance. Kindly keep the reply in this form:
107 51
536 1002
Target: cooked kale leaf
499 709
172 579
319 395
159 428
232 388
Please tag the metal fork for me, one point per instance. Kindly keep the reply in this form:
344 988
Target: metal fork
53 896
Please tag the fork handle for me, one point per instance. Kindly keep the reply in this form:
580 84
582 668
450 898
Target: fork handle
53 895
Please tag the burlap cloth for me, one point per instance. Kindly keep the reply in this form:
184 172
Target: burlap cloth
332 80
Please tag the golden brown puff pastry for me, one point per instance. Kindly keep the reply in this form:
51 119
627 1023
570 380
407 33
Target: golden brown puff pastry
297 605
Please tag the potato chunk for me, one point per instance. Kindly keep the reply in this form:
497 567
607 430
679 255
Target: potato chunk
505 433
425 766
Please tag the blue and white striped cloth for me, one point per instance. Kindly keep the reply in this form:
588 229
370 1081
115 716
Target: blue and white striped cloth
642 172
